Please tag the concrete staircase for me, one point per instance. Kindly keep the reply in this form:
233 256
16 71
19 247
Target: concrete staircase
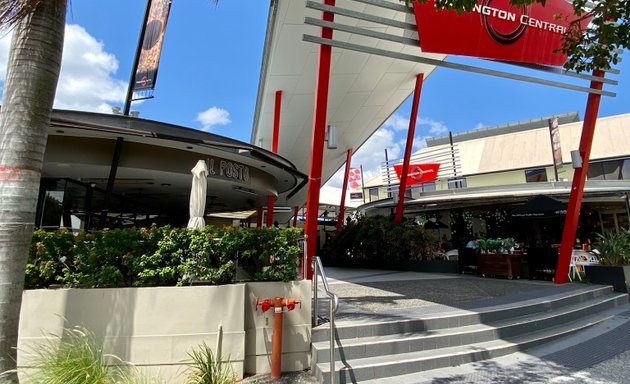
394 347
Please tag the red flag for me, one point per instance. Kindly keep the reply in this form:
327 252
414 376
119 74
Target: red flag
419 173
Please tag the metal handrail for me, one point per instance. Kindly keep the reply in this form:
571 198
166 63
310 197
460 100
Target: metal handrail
318 269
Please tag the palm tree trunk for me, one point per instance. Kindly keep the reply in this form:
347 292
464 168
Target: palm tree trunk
29 91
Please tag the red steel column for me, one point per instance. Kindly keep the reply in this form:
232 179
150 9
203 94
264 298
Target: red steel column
405 168
579 179
344 189
274 149
317 141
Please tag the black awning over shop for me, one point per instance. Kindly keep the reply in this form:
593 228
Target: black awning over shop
540 206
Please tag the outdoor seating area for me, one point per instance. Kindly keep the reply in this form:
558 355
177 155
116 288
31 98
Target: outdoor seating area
580 259
535 263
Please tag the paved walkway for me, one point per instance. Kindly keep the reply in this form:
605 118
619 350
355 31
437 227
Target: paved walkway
598 355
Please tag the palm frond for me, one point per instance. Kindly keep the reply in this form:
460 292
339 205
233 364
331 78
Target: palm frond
14 11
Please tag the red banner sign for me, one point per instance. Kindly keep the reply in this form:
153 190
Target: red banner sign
497 30
419 173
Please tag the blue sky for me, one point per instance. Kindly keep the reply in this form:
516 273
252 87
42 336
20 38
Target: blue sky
210 66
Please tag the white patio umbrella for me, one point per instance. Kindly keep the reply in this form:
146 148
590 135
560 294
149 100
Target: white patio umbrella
198 195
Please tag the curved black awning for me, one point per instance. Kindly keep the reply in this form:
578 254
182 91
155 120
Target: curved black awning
540 206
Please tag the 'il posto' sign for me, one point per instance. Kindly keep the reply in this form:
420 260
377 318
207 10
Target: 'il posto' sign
497 30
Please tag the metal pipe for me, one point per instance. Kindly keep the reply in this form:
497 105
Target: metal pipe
276 339
315 305
219 345
332 341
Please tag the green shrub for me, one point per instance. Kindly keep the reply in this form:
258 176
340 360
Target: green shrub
205 368
379 238
160 256
76 358
49 254
614 247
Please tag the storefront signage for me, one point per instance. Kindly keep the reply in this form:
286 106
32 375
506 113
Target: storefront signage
419 173
228 170
497 30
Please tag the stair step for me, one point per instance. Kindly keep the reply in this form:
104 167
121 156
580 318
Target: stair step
392 325
476 333
368 368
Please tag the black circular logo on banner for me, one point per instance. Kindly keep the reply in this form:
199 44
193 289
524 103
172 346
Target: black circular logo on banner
502 21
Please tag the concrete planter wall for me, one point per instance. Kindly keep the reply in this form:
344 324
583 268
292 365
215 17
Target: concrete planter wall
616 275
155 328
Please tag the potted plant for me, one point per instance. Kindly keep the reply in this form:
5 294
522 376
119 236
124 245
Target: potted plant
496 258
614 261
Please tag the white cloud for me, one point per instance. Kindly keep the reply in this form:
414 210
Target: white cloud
371 155
436 128
397 122
419 142
213 116
87 81
480 125
5 47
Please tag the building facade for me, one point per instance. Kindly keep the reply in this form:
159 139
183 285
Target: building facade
486 173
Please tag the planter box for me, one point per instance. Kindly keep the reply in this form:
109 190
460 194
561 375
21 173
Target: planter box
616 275
155 328
497 264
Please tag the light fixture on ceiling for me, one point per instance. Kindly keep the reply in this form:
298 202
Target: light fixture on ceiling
331 137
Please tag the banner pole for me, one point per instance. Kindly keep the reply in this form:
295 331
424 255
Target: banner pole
136 59
274 148
408 147
579 179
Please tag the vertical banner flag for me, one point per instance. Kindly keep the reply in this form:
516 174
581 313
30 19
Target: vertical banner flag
354 184
418 173
554 133
146 73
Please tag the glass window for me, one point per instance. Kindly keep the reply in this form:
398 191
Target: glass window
612 170
625 170
595 171
373 194
536 175
459 182
428 186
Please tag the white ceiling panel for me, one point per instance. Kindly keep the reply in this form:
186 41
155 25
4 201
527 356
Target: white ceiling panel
364 89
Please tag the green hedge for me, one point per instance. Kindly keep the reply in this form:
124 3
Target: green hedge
377 238
160 256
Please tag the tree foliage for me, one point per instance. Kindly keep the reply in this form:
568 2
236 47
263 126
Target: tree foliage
594 48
